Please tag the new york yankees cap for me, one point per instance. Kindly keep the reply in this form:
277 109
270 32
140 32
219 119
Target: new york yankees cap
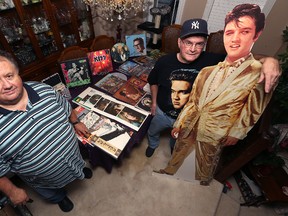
194 27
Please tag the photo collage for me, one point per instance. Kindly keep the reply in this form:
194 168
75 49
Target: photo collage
104 133
112 108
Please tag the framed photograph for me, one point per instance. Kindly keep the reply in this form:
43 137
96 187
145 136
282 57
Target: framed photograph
76 72
136 44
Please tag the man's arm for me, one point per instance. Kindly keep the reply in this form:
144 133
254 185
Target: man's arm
79 127
16 195
270 71
154 91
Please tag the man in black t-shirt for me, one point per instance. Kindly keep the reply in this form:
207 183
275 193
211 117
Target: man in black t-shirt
192 40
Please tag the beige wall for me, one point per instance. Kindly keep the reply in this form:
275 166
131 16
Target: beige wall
270 43
193 9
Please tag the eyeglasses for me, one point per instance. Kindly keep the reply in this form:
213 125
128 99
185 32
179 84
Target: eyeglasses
189 44
135 45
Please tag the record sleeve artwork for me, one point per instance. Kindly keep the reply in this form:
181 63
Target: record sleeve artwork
100 62
120 53
104 133
112 108
76 72
112 82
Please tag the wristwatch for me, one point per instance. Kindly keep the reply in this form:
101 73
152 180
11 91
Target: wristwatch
74 123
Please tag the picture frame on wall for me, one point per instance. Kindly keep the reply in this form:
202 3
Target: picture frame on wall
136 44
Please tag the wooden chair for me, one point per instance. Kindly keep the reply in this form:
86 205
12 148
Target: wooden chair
102 42
170 35
215 43
72 52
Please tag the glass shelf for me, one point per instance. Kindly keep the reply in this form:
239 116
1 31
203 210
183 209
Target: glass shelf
36 31
30 2
6 5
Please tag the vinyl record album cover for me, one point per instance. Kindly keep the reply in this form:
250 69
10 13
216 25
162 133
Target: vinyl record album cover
76 72
100 62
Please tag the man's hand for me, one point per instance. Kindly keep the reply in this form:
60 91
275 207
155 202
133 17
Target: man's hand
228 141
153 109
154 91
175 132
81 129
270 72
18 196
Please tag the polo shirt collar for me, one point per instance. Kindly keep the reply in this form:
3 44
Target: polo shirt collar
32 95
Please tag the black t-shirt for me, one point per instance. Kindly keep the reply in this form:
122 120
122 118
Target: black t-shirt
163 69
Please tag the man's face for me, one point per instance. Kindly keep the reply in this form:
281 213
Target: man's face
129 116
190 48
239 38
180 91
11 87
138 46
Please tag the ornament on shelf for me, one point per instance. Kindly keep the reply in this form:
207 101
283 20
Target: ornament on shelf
157 12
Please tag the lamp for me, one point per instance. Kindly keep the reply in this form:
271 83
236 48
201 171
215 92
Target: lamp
122 9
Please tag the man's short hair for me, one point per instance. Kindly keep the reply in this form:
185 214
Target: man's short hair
9 57
251 10
141 41
188 75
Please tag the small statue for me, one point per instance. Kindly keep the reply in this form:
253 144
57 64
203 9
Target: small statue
118 35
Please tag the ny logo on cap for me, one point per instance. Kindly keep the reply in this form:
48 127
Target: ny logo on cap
195 25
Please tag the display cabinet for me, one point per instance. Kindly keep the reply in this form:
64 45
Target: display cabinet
36 31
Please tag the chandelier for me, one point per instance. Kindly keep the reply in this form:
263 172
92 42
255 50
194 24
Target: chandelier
121 9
